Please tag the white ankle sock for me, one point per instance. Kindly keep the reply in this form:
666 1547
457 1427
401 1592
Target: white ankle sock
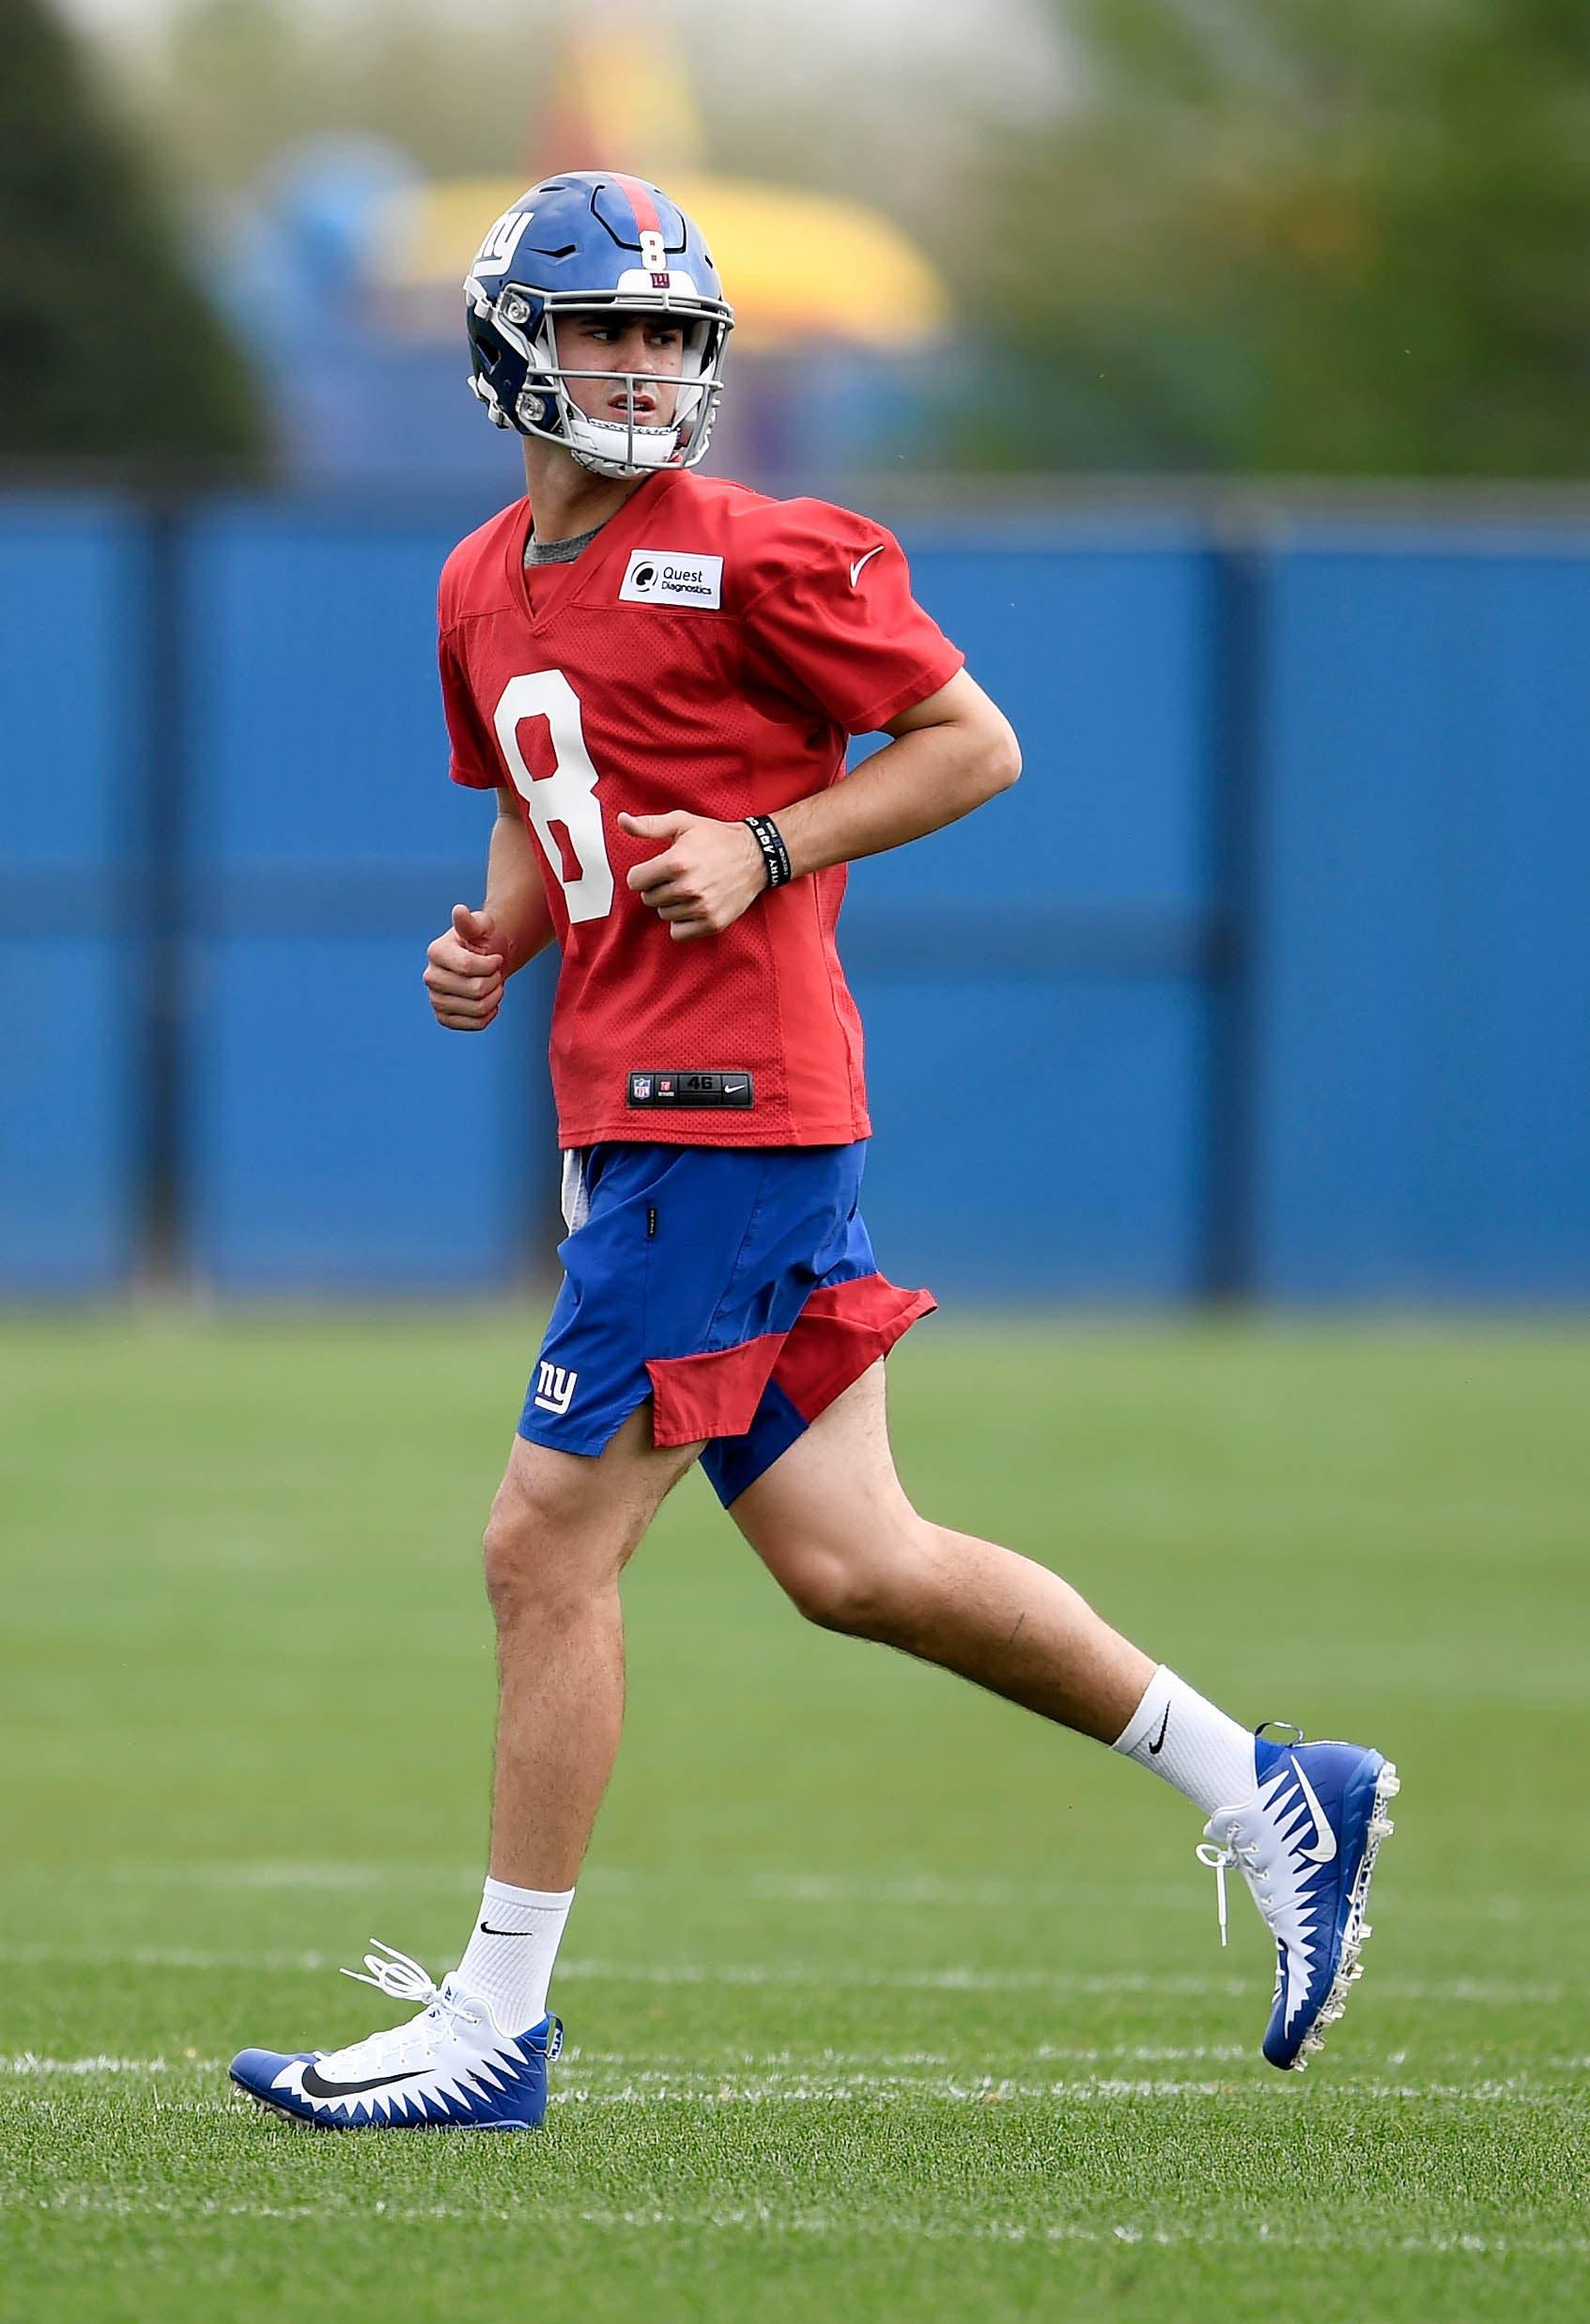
1175 1733
509 1961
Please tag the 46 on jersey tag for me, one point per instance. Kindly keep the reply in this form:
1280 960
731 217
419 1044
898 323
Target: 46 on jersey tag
692 1089
672 576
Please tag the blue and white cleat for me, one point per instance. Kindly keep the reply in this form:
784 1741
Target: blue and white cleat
1306 1843
450 2068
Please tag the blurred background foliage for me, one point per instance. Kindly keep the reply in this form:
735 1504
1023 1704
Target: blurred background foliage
107 351
1306 237
1332 237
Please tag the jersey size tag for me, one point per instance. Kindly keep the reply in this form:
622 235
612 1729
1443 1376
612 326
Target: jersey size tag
672 576
676 1089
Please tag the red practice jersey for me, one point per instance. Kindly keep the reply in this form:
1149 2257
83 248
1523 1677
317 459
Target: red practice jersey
710 650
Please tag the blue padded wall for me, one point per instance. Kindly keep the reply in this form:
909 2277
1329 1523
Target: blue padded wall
1030 979
74 716
1063 1071
337 1136
1424 1084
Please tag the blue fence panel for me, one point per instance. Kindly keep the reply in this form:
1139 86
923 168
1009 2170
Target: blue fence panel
1032 1137
74 712
1031 980
1098 648
1041 984
1424 1084
346 1141
337 1136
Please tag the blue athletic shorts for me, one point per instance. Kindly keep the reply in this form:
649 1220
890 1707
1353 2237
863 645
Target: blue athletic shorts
733 1285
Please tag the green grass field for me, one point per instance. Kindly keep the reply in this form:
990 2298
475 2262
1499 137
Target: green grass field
883 2000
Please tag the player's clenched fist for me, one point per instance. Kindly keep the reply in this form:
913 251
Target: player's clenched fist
464 973
705 876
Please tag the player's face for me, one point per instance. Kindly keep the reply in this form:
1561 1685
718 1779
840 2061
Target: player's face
648 345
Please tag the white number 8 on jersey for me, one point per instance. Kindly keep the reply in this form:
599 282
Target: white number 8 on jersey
566 797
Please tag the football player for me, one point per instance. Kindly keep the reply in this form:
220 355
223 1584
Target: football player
656 674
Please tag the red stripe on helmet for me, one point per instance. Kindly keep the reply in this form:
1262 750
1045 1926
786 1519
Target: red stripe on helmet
640 202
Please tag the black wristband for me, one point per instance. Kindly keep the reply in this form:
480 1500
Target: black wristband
773 853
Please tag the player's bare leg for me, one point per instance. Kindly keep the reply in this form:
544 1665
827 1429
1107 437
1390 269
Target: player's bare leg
831 1521
562 1530
1303 1824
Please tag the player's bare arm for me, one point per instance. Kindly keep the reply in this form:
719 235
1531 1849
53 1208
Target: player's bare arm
468 965
950 753
954 751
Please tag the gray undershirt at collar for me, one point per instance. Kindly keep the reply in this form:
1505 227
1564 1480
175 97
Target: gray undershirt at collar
559 553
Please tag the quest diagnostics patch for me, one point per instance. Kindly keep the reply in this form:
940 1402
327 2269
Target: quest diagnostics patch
664 577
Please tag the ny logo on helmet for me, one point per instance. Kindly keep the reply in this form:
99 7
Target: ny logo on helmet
502 241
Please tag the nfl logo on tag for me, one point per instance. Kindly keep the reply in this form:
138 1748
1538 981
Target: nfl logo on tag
642 1088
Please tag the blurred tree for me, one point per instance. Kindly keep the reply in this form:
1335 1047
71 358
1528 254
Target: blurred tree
106 350
1325 236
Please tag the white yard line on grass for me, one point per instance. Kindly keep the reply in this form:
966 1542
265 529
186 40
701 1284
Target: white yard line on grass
28 2064
1059 1981
708 2089
1450 1991
1076 2053
762 2218
906 1889
824 2084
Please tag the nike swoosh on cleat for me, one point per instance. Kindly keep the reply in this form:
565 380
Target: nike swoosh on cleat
316 2084
1324 1846
1158 1744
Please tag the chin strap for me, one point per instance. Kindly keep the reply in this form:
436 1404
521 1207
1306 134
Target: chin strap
611 441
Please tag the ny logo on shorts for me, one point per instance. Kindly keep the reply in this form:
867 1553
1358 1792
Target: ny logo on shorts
554 1387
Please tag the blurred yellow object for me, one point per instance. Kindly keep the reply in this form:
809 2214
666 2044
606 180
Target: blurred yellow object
623 86
791 264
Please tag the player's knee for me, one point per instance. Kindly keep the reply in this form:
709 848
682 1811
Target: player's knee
827 1591
509 1564
531 1562
859 1590
527 1580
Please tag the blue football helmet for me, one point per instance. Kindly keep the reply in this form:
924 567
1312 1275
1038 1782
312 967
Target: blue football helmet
577 243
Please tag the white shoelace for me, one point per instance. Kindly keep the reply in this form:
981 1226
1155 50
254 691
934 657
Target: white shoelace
1244 1856
398 1974
404 1979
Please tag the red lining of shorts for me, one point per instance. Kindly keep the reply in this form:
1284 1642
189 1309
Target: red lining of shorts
714 1394
843 1328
